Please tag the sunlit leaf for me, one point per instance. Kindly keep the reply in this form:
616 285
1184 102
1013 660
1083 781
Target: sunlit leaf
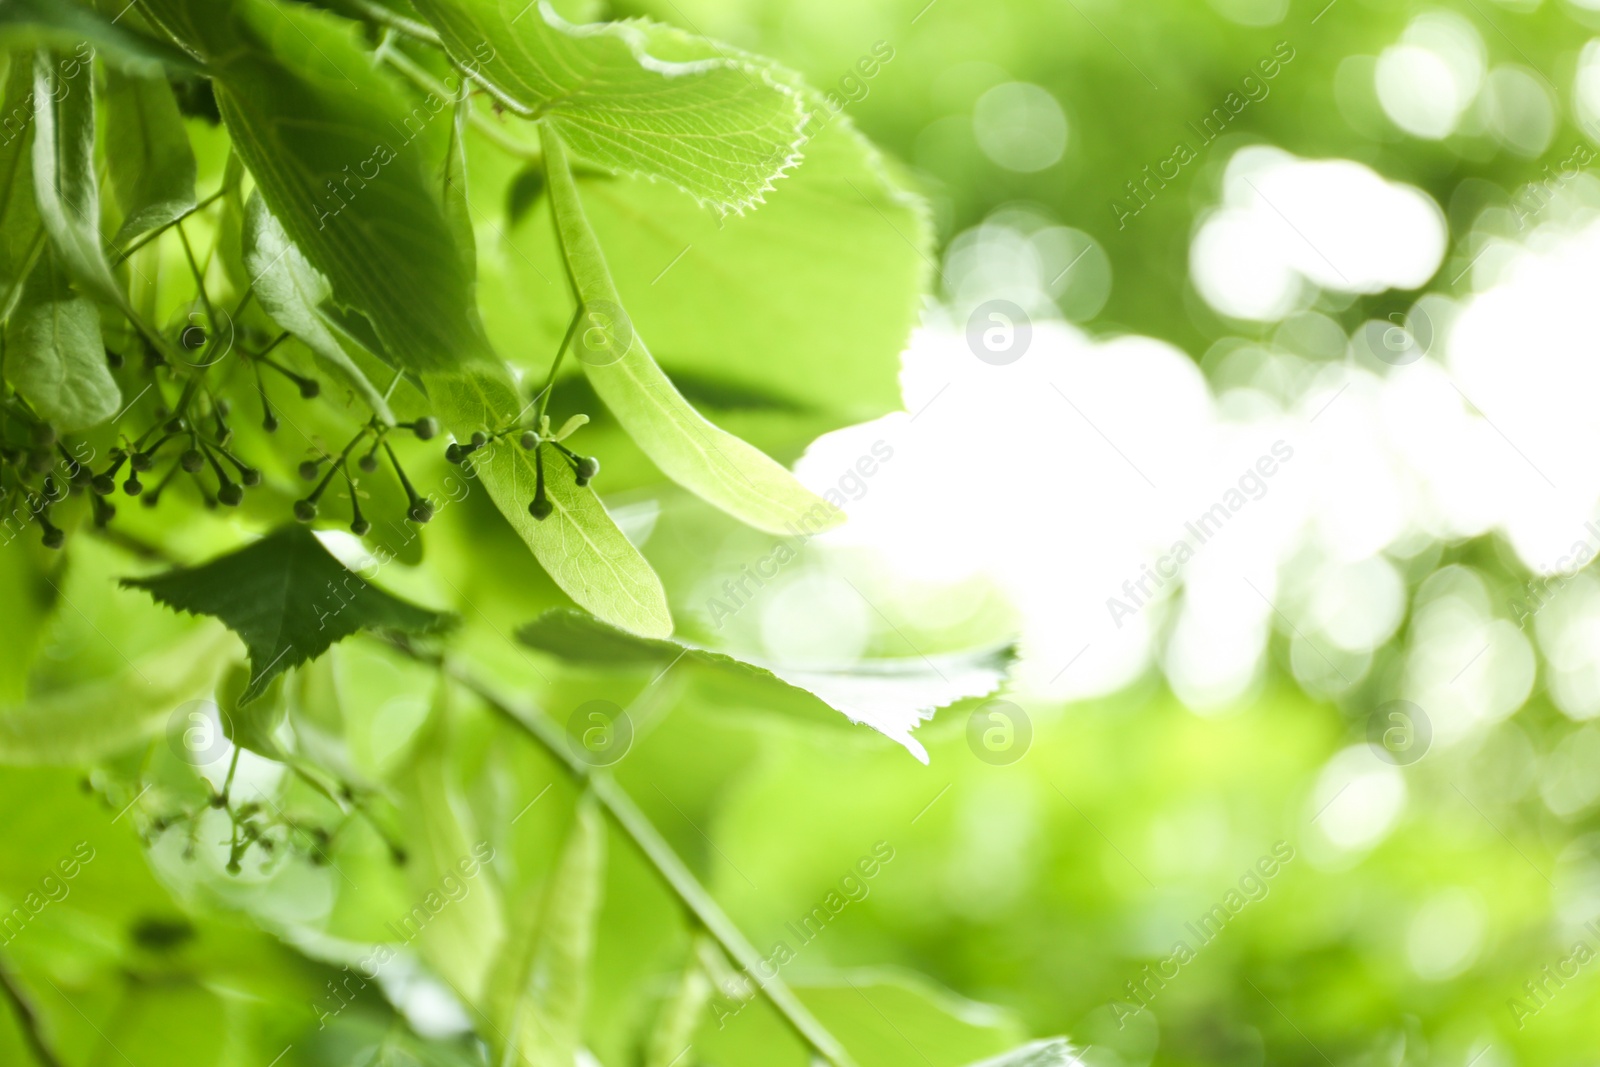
288 599
578 544
893 696
717 129
1053 1052
714 464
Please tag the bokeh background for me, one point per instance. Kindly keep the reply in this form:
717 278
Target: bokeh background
1379 254
1253 396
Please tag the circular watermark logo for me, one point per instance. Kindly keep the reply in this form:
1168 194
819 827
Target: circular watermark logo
999 733
204 342
1399 732
196 733
599 733
605 333
999 332
1401 339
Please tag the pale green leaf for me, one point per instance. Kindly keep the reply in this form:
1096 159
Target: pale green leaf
67 188
329 142
578 544
21 233
54 355
682 1012
298 299
893 696
724 470
444 844
811 299
99 718
539 983
288 599
151 165
1051 1052
718 129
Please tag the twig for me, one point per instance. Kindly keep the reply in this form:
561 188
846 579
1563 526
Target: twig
31 1031
616 803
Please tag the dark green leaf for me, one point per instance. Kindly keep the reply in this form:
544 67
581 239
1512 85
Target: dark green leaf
148 156
66 24
288 599
333 147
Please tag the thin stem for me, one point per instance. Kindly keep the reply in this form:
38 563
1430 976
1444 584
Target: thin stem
121 257
410 27
622 811
555 364
429 84
32 1033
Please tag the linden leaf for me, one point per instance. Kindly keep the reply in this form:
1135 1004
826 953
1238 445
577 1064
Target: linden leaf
288 599
893 696
718 129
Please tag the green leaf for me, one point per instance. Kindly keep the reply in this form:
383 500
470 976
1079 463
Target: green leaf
442 836
893 696
886 1018
99 718
683 1011
21 232
725 471
252 725
54 354
718 129
288 599
333 147
148 156
540 979
65 24
578 544
1051 1052
67 188
299 299
806 303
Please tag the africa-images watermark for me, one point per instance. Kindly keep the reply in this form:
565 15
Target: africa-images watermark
1253 887
1252 485
1552 978
1142 192
53 888
341 194
853 887
850 485
452 888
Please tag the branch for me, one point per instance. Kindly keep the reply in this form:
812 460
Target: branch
27 1020
616 803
